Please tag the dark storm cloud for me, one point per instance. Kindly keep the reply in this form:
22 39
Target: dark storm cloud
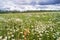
49 2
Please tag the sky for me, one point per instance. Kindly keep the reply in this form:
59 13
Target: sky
23 5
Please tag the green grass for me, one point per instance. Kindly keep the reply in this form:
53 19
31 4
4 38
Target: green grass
30 26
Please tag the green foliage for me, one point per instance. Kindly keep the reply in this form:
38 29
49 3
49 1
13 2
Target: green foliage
30 26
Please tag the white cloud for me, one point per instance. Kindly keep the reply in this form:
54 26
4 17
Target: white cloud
17 5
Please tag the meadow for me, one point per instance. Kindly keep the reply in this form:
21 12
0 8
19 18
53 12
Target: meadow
30 26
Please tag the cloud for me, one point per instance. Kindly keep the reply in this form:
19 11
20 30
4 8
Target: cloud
40 2
24 5
49 2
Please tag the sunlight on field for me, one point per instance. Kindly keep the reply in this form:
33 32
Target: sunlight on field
30 26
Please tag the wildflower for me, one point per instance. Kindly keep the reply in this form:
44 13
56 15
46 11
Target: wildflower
12 35
0 37
26 32
5 38
13 39
19 20
58 38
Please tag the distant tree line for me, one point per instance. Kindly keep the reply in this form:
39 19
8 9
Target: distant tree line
29 11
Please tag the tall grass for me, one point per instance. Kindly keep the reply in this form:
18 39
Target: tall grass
30 26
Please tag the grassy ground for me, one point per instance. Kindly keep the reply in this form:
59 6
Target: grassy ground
30 26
